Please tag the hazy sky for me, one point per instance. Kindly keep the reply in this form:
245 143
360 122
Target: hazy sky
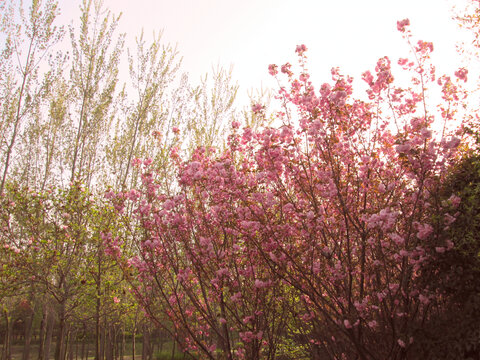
250 34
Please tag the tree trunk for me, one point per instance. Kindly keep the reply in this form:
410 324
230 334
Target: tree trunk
67 342
114 343
60 348
98 306
50 320
173 349
104 337
145 343
122 345
42 335
133 341
72 343
101 350
28 321
160 343
82 351
76 350
108 344
7 343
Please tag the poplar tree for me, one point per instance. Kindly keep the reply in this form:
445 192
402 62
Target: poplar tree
27 43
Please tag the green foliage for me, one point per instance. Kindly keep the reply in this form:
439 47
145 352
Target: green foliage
93 79
453 332
22 86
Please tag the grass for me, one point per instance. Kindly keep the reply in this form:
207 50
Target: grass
164 354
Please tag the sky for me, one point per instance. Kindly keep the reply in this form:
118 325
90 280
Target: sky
251 34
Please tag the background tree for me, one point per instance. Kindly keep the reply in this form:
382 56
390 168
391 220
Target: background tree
145 126
27 43
93 79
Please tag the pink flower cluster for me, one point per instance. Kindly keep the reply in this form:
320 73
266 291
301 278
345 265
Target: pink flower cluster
401 25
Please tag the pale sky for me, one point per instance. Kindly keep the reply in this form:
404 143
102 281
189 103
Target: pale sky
251 34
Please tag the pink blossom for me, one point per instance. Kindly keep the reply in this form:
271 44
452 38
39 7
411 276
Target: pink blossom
347 324
403 253
236 297
147 161
440 249
423 299
368 77
300 49
401 343
402 24
260 284
454 200
272 69
286 69
424 47
424 231
136 162
393 287
399 240
450 244
452 144
338 97
246 336
426 133
403 148
325 89
449 219
257 107
461 74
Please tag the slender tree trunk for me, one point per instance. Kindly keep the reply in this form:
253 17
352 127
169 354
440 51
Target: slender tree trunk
43 331
133 338
114 343
101 350
82 351
151 346
98 305
60 348
66 346
50 319
173 349
28 321
133 345
97 329
145 343
72 341
122 346
76 350
108 344
7 344
160 343
103 337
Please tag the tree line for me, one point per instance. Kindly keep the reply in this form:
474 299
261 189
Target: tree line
72 128
155 214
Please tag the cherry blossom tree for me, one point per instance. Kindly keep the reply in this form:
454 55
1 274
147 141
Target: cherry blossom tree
308 237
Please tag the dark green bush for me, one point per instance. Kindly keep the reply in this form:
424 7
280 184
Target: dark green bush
454 331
